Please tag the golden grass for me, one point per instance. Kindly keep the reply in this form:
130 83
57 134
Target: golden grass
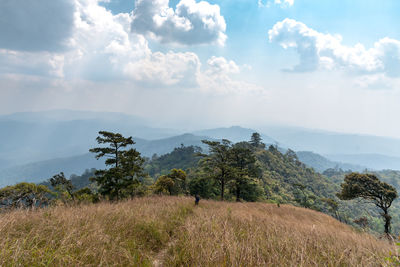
256 234
128 233
170 230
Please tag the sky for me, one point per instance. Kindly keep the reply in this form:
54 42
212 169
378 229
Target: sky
332 64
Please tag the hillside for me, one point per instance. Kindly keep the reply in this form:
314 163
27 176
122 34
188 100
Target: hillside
362 208
171 231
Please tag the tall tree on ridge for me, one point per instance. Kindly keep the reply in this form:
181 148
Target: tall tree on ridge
256 140
218 162
126 165
242 162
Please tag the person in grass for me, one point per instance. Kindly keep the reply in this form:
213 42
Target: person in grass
197 199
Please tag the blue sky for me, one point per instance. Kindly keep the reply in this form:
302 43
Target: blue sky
331 65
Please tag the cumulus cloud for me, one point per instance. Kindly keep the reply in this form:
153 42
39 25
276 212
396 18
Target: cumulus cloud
173 69
325 51
107 49
103 47
190 23
36 25
219 65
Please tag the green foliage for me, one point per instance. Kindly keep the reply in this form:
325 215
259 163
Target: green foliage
24 195
83 180
86 195
369 187
256 141
281 175
204 187
218 162
244 171
61 185
126 166
181 157
164 185
174 183
332 206
114 152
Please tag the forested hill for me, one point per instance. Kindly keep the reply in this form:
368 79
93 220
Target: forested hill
288 180
281 177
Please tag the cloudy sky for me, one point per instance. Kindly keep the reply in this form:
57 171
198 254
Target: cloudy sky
330 64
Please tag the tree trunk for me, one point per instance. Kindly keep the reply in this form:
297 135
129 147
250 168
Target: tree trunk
237 192
222 188
387 218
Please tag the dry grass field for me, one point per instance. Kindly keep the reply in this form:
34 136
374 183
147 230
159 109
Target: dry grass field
257 234
170 231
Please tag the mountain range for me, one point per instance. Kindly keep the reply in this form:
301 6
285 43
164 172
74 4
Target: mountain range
36 145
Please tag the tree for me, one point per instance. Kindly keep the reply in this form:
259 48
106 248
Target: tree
333 206
164 184
369 187
114 151
174 183
203 186
179 178
291 156
123 176
243 168
256 139
304 199
218 162
24 195
62 184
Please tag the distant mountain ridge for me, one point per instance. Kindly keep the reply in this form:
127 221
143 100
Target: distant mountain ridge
42 170
320 163
234 134
332 143
32 137
373 161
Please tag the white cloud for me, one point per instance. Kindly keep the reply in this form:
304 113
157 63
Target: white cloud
28 63
281 3
173 69
377 81
32 25
325 51
284 2
107 49
102 47
219 65
190 23
218 78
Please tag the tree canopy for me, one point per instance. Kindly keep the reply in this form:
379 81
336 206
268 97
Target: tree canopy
126 166
24 195
369 187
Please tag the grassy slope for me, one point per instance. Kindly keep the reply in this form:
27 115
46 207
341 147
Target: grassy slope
139 231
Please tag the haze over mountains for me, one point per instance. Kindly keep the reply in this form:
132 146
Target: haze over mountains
37 145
